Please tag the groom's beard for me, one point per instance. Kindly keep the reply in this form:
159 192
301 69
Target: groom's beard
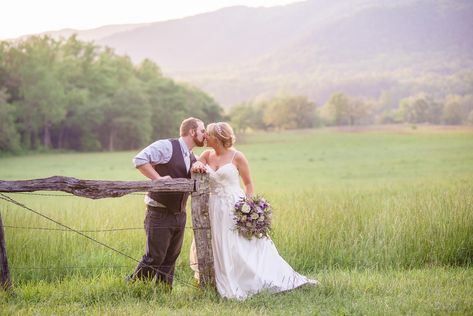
197 142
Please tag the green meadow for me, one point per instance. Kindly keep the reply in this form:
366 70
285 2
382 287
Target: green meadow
382 217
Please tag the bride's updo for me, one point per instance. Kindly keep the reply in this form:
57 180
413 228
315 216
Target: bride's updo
223 132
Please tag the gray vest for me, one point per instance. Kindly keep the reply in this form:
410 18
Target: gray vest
175 168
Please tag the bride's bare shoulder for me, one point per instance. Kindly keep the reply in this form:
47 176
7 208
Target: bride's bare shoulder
205 155
207 152
239 156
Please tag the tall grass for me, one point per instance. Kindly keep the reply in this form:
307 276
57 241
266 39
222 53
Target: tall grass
342 201
434 291
380 228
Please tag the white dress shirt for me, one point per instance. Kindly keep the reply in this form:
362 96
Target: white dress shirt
160 152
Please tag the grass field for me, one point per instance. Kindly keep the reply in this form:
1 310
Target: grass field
382 217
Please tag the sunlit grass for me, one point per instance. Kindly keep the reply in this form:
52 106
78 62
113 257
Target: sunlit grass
356 210
422 292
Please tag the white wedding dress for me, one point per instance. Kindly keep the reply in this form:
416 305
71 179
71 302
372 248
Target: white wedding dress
242 267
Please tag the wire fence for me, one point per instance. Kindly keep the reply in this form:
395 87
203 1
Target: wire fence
59 194
71 268
97 230
82 267
66 228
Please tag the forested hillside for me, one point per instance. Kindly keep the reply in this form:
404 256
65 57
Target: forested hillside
363 48
311 63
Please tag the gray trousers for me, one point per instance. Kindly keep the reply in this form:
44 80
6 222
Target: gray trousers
164 236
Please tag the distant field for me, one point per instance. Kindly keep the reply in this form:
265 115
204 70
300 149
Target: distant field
369 212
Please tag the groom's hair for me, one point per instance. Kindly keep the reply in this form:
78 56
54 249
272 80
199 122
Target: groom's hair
189 124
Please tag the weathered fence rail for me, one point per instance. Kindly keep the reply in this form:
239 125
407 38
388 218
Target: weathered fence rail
97 189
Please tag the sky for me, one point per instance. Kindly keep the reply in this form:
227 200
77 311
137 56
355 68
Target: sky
22 17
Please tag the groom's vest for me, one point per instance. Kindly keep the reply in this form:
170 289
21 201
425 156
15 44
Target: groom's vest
175 168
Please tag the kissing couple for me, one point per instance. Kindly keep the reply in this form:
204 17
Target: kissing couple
243 267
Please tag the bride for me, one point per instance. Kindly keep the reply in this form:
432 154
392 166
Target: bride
242 267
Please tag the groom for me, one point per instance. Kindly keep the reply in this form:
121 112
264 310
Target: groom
166 214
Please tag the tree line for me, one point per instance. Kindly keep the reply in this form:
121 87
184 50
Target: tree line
289 111
73 95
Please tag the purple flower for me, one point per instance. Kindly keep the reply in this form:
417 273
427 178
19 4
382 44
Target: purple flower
252 217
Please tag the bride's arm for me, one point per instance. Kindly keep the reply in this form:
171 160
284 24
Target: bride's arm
199 165
244 169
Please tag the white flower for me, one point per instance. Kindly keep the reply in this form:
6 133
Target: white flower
252 217
245 208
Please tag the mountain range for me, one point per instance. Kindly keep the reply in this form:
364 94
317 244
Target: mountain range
367 48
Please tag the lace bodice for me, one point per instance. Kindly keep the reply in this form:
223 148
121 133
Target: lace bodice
225 180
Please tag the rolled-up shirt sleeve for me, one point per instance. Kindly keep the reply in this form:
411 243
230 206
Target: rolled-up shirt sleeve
159 152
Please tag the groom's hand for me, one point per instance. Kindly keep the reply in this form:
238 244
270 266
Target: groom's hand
198 167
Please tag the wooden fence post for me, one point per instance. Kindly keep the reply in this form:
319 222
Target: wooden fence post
5 281
202 232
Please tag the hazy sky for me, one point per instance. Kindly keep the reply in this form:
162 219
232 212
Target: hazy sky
21 17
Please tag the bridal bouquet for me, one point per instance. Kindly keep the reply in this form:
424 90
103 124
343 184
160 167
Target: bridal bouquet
252 217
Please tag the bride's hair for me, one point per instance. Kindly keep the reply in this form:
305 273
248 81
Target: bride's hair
223 132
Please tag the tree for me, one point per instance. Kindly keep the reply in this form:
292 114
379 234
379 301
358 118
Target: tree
304 111
241 116
420 109
77 73
125 110
434 112
75 95
344 110
470 118
289 112
41 90
453 113
335 111
9 136
171 103
457 109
